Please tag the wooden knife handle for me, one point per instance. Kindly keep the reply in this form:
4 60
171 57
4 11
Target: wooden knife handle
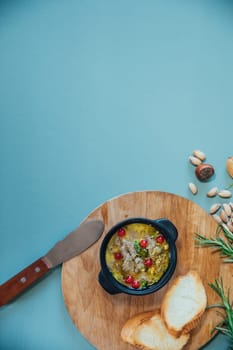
20 282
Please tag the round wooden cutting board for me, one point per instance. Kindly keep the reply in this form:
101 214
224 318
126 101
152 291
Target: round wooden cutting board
100 316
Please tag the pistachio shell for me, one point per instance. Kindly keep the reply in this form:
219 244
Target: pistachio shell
214 208
229 166
193 188
194 160
199 154
227 209
230 226
213 192
223 216
217 218
224 194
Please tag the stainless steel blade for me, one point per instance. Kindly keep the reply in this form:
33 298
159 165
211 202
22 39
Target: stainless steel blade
75 243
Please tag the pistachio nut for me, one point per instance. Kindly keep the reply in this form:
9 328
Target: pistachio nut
223 216
227 209
194 160
214 208
193 188
199 154
224 194
212 192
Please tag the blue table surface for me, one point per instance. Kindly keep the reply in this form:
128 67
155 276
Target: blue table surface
97 99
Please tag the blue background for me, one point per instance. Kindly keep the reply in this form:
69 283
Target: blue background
100 98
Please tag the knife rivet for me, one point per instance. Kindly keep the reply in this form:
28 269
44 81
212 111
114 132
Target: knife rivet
37 269
23 279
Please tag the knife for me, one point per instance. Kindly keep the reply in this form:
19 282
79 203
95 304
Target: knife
73 244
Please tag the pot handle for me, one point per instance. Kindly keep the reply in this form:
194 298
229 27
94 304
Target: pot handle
167 226
106 285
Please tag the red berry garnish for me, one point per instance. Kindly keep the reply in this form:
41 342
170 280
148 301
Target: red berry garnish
129 279
118 256
148 262
135 284
160 239
121 232
143 243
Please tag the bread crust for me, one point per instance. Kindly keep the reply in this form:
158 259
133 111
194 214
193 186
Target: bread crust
167 328
132 323
198 297
147 331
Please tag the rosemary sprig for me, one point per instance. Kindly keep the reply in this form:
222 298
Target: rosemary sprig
226 325
224 245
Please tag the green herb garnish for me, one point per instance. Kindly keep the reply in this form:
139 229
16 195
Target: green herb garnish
144 284
137 247
223 241
226 306
142 252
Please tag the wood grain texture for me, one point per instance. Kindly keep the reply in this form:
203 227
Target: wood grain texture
100 316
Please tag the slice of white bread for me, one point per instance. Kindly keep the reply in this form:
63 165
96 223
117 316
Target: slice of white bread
169 328
184 303
132 323
148 331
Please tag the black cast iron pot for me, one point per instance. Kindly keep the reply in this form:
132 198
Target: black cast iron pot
170 233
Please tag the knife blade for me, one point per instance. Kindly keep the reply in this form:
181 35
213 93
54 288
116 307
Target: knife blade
73 244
